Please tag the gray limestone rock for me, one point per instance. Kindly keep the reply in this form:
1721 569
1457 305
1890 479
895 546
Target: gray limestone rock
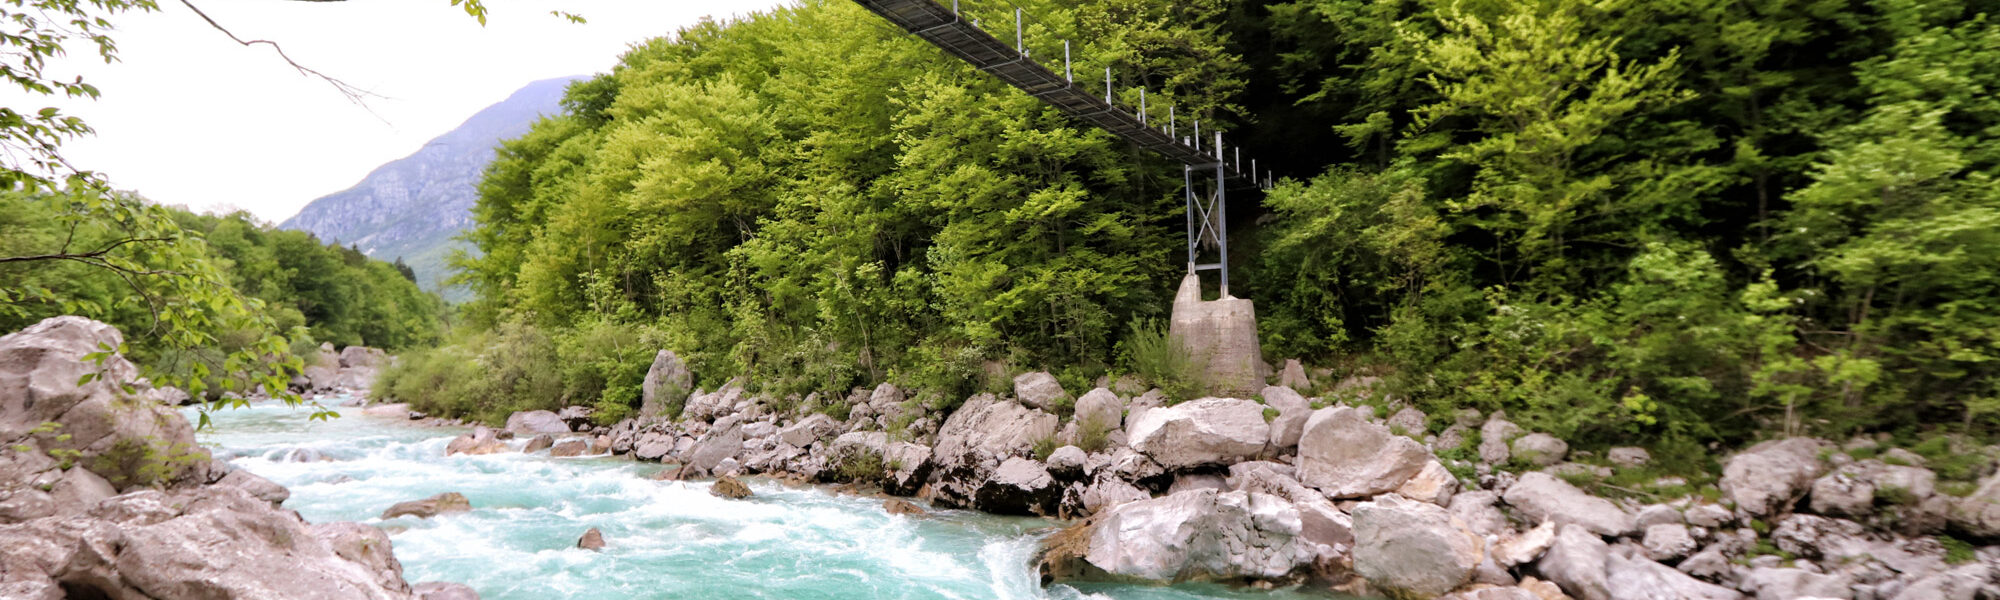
1767 477
1346 456
1413 548
1201 534
1205 432
1541 496
1039 390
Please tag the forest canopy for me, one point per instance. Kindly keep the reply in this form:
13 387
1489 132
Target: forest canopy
1685 222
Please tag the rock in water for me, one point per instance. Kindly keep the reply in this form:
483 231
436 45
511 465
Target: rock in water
571 447
1413 548
1020 486
531 422
729 487
1205 432
1200 534
592 540
480 441
448 502
1344 455
899 506
539 442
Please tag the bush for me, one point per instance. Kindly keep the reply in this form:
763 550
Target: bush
1156 358
484 377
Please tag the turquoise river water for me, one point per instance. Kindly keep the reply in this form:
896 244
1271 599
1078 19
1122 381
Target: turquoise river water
664 539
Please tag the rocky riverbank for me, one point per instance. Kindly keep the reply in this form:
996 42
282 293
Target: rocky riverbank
104 493
1285 489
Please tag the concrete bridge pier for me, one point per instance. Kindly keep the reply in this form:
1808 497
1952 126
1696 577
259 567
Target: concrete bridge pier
1221 335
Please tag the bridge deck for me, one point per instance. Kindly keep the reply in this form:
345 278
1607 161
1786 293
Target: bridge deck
940 26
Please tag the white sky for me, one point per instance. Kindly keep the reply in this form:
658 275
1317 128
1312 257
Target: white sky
189 117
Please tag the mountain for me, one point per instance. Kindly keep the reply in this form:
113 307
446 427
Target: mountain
411 207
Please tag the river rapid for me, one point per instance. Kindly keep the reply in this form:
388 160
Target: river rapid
665 539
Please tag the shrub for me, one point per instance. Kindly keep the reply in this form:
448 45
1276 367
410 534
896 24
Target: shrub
1157 358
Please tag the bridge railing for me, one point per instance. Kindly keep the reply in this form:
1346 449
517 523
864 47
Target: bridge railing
1042 41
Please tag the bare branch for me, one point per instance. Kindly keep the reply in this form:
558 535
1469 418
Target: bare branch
353 94
84 256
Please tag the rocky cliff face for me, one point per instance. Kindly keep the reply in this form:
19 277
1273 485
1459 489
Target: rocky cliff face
411 207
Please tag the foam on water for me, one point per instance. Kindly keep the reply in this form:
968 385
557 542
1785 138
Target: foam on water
663 539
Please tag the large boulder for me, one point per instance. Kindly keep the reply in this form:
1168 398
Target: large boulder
1293 411
1200 534
977 438
197 542
117 425
1539 449
1766 478
1635 578
1411 548
1293 375
1346 456
720 443
1543 497
188 526
448 502
362 357
667 382
908 466
1020 486
1040 390
263 489
1100 409
1205 432
808 430
531 422
1576 561
1979 513
480 441
713 405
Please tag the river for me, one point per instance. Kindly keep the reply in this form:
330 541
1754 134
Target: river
664 539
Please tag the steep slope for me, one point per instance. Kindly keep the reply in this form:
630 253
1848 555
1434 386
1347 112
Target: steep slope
411 208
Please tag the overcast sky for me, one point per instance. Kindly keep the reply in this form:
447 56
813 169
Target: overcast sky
189 117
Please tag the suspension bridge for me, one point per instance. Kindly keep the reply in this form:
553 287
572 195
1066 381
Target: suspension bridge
950 29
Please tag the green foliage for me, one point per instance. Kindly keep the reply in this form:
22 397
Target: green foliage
1682 223
1161 362
730 186
863 466
486 376
1957 551
1044 447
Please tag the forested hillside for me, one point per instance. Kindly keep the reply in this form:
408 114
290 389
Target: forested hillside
207 301
1683 223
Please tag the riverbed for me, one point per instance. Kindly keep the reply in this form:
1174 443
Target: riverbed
664 539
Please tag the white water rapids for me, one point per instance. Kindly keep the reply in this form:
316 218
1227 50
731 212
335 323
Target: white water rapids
664 539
